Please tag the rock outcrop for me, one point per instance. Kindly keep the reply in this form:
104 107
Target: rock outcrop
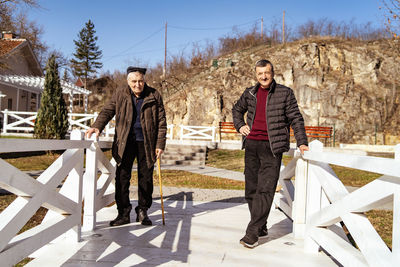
351 85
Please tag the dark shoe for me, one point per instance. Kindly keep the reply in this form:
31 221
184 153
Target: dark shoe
249 242
263 233
116 219
142 217
122 218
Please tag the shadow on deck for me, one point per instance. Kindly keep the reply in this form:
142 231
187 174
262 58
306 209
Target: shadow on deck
196 233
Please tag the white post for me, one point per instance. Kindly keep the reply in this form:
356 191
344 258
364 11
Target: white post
299 205
181 132
86 103
70 121
396 215
17 108
75 179
5 121
213 134
90 187
314 196
71 101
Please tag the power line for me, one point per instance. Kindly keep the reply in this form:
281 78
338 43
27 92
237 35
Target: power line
123 53
138 43
215 28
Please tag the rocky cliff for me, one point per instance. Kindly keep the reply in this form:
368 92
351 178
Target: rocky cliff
351 85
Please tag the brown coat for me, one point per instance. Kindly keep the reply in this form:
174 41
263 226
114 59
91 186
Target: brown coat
152 119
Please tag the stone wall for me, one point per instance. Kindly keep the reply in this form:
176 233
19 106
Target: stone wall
351 85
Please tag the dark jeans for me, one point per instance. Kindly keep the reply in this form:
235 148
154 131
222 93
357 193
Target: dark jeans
134 149
261 175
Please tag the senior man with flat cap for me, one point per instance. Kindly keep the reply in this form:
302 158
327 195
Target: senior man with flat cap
140 132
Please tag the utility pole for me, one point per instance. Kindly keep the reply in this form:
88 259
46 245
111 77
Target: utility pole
283 27
165 53
262 31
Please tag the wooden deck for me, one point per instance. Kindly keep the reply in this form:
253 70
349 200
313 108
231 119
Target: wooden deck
196 234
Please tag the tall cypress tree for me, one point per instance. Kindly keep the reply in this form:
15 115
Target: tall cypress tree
87 53
52 117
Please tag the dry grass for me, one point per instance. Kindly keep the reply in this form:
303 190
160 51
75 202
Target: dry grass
192 180
382 222
234 160
33 163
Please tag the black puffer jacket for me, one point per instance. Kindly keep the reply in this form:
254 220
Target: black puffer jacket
281 113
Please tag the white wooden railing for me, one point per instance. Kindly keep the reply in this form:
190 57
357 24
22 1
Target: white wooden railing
64 205
15 122
197 132
318 201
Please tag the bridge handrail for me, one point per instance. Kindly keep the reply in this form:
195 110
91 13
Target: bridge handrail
64 204
318 201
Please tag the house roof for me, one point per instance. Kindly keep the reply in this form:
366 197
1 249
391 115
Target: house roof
6 45
20 48
79 83
36 84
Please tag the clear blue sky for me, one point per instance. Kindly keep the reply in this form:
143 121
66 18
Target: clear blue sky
132 32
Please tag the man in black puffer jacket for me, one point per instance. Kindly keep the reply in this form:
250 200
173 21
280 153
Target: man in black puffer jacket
271 111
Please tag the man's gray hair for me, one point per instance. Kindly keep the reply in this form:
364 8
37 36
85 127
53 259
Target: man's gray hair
264 63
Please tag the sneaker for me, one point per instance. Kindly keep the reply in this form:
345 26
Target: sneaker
249 242
263 233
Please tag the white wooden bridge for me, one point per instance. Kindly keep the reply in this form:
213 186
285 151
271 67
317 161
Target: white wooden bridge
315 203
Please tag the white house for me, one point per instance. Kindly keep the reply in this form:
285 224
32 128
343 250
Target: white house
22 78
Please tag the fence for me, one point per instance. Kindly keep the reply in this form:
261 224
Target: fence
64 205
15 122
197 132
318 201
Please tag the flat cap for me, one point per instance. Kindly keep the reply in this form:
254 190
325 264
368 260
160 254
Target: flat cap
134 69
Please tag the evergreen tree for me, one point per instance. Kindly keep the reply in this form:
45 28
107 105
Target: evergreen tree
87 55
52 117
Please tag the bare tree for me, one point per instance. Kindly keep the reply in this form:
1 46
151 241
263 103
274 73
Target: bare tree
392 15
12 18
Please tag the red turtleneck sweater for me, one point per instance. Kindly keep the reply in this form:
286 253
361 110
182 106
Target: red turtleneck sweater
259 129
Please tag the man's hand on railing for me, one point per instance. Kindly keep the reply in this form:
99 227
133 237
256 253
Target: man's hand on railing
90 131
159 152
303 148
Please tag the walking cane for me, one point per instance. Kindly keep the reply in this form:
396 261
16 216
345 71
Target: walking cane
160 181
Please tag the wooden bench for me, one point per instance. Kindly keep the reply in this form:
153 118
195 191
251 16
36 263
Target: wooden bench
311 131
317 132
226 127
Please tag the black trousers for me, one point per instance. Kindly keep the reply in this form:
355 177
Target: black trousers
261 177
134 149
